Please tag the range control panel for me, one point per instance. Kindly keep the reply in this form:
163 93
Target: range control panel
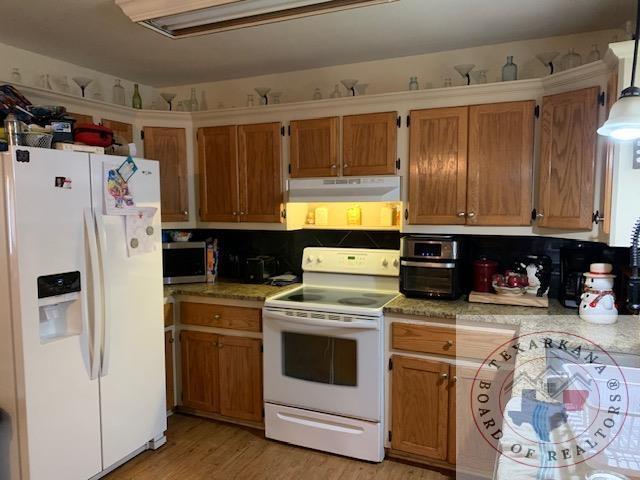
351 260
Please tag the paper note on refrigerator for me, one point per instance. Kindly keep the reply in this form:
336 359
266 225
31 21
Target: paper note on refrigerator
140 231
118 198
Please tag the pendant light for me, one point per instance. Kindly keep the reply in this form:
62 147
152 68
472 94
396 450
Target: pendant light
624 118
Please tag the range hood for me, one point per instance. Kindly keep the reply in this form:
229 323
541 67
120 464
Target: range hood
345 189
185 18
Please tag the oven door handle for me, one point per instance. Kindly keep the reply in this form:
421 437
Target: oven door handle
406 263
357 324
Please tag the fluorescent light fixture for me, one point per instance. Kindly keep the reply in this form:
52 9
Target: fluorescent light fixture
624 117
177 19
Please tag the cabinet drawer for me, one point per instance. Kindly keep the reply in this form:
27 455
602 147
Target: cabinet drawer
449 341
221 316
168 314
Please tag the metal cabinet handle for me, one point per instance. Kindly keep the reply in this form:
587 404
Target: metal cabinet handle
471 214
216 316
449 343
462 214
540 215
454 379
345 166
444 376
597 218
333 166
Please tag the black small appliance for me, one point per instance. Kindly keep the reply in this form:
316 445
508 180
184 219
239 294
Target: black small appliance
259 269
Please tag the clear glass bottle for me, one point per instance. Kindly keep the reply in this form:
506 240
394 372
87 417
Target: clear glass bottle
118 93
594 55
571 60
336 92
136 100
193 101
203 102
250 101
64 85
413 83
317 94
180 106
447 82
275 98
509 70
15 76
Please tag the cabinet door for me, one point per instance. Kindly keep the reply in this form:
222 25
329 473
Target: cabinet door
169 147
80 118
438 166
260 171
420 407
168 368
168 314
241 378
500 164
314 148
200 370
124 131
369 144
567 159
218 169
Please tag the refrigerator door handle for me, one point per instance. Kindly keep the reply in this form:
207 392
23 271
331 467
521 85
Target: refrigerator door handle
97 302
106 319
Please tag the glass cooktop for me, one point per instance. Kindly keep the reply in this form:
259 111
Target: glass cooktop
338 297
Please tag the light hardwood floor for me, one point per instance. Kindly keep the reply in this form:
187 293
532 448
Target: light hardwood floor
205 449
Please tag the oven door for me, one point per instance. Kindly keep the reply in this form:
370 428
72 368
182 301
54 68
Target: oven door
324 365
428 279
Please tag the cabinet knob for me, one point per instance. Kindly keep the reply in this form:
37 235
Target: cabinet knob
242 213
462 214
171 340
333 166
540 215
345 166
444 376
454 379
216 316
597 218
185 212
471 214
214 344
449 343
234 213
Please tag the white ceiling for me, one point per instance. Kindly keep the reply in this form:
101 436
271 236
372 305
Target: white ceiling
96 34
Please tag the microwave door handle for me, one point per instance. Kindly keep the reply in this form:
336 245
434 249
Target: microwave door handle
96 300
405 263
106 319
361 324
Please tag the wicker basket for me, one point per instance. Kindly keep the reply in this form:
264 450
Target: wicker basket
39 140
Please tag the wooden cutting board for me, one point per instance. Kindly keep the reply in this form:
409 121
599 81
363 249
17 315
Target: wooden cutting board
526 300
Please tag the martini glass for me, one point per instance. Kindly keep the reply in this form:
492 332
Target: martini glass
547 58
464 70
350 84
82 82
263 92
168 97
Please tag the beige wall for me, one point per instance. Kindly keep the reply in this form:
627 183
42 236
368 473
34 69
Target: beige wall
392 75
32 65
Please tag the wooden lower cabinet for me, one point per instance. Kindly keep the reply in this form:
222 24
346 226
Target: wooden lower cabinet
222 374
168 367
420 407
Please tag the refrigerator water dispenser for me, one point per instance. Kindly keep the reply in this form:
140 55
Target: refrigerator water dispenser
59 305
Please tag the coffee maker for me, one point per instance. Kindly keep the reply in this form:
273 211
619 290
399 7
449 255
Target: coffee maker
574 261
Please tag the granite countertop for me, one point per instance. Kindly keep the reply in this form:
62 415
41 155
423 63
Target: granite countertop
453 308
226 289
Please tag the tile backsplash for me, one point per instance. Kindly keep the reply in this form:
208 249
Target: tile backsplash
287 247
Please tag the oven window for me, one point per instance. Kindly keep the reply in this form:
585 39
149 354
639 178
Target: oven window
436 280
320 359
181 262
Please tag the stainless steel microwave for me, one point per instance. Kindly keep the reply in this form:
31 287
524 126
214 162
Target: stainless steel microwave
429 267
184 262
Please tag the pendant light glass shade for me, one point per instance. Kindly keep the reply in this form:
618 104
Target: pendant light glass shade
624 117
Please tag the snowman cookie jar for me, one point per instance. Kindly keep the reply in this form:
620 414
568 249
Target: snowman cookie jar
598 302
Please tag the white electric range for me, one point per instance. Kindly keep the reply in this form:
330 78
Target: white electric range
323 353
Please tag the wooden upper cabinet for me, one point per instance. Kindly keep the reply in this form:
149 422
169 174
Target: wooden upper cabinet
369 144
80 118
168 368
438 166
200 384
420 407
218 169
500 164
240 361
124 131
169 147
314 147
260 172
567 159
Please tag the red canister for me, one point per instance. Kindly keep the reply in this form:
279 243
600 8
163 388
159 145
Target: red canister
483 270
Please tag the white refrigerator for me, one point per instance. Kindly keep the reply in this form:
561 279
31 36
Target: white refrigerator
84 388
